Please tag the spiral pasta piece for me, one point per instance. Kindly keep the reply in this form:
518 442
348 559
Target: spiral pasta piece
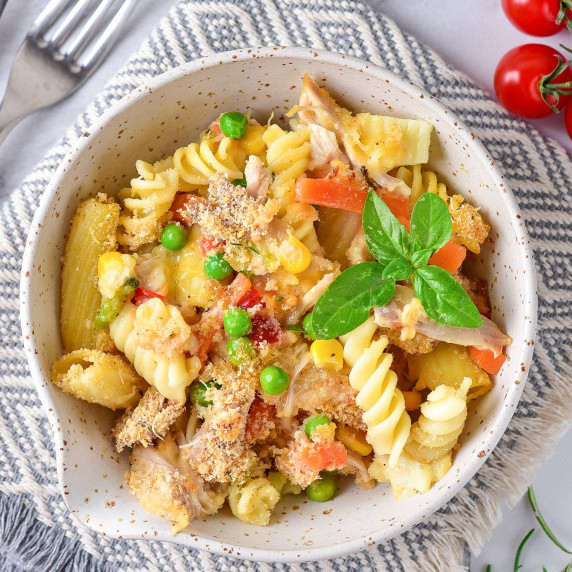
253 501
169 375
301 218
288 156
388 424
420 181
442 419
146 205
197 162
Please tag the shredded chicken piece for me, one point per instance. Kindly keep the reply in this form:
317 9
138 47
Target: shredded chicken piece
218 451
152 269
258 178
230 213
150 419
169 488
310 298
325 148
358 251
357 466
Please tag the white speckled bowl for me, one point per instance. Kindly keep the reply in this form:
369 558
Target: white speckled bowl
152 122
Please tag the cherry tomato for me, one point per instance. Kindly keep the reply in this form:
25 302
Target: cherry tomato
537 17
568 120
527 71
140 296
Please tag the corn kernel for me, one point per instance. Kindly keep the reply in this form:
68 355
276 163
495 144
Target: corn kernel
354 440
113 268
294 255
107 262
328 354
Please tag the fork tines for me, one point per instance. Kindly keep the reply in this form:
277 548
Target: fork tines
66 28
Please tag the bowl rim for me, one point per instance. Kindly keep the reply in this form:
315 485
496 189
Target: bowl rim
236 56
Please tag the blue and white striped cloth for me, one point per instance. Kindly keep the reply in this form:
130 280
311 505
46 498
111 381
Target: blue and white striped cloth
36 531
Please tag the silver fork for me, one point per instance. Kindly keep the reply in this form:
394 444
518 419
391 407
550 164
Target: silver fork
55 58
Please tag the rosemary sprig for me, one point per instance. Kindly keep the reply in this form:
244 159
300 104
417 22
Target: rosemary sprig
517 564
542 522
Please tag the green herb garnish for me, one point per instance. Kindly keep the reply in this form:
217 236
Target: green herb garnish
542 522
401 256
297 329
517 564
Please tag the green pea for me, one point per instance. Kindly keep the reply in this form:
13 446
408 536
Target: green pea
110 307
174 236
234 124
274 380
308 327
322 489
240 350
216 267
240 182
198 390
237 322
315 421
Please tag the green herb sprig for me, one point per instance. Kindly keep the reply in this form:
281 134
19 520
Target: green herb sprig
400 255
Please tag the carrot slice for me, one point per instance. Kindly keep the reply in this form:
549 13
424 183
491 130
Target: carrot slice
449 257
487 360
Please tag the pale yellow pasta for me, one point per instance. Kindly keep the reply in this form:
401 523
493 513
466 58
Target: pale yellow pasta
98 377
381 143
146 205
421 181
409 477
300 217
92 233
388 424
448 364
170 376
442 419
288 156
253 501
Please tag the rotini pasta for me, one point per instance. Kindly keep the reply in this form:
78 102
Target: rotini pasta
170 376
253 501
442 419
420 181
288 156
146 205
388 424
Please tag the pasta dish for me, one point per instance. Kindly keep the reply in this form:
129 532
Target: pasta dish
273 309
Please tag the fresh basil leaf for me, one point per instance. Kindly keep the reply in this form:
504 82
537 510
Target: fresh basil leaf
398 269
444 299
431 225
421 257
347 302
385 236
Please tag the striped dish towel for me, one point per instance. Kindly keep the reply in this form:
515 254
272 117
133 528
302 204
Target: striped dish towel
36 531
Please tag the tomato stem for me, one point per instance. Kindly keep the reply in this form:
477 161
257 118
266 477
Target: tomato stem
547 88
562 15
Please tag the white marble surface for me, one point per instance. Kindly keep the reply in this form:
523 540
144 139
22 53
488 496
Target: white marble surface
471 36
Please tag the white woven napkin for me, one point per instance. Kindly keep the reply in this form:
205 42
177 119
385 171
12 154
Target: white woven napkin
36 531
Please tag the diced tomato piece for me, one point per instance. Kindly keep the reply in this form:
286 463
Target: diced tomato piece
449 257
207 244
397 204
238 289
251 298
487 360
140 296
215 130
260 418
265 329
321 455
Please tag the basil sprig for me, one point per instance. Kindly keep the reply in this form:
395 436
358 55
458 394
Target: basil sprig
401 256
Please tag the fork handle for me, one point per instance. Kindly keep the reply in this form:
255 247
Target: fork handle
26 88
